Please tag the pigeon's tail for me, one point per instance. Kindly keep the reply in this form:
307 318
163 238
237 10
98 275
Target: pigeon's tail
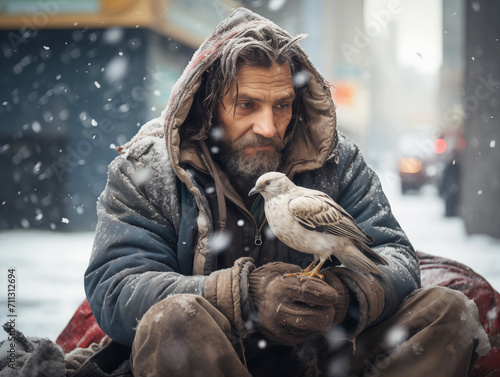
370 253
363 260
359 263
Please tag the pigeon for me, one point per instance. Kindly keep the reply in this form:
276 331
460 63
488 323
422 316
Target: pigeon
311 222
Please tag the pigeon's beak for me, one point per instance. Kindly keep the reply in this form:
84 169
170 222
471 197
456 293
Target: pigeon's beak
255 190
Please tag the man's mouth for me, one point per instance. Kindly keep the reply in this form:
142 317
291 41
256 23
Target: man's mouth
260 148
264 147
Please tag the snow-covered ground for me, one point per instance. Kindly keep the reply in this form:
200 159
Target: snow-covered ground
421 215
50 266
49 269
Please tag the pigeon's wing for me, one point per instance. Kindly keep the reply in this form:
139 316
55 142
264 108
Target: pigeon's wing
320 213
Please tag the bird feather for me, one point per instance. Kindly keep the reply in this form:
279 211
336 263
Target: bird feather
321 214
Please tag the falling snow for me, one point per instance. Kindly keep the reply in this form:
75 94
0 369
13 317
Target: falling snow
36 127
395 336
142 176
48 299
219 241
300 79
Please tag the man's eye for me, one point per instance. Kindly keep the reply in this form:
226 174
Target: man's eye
283 106
245 105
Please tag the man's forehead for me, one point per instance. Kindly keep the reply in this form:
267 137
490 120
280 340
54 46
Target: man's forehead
283 70
276 66
275 79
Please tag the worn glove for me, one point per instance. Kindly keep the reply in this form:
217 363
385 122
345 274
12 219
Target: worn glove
342 304
227 291
365 290
291 311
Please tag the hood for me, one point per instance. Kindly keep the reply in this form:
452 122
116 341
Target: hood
313 142
314 137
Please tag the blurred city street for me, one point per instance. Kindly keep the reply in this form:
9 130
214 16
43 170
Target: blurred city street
50 265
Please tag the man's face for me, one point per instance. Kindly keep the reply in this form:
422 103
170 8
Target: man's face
254 126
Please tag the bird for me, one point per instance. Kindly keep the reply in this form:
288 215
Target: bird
311 222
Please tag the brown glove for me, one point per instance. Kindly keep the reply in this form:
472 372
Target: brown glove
342 304
365 289
223 289
291 311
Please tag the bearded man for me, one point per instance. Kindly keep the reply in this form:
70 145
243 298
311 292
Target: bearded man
184 271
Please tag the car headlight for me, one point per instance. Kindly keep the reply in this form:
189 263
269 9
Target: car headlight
409 165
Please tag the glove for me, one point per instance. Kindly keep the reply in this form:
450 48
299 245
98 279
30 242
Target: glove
342 304
291 311
227 291
365 289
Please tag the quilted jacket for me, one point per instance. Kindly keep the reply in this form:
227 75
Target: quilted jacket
155 219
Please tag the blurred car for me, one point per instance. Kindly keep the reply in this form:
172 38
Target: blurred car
417 164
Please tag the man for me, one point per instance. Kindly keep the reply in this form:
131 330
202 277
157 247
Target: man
184 270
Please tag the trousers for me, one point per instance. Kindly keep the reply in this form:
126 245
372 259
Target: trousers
432 333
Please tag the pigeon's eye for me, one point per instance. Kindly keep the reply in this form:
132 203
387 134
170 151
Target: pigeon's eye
267 183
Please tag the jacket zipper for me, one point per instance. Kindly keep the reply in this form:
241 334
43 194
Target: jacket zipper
257 237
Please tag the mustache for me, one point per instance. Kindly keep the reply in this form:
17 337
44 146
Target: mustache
260 141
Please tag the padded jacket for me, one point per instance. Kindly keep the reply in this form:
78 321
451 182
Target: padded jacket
155 219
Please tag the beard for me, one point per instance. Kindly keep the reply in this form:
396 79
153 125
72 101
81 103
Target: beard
237 162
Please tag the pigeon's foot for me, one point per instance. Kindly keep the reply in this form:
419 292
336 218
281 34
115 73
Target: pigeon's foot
302 275
309 272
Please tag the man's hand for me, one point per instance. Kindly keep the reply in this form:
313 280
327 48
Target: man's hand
291 311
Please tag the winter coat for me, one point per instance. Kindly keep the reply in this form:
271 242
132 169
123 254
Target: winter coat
155 219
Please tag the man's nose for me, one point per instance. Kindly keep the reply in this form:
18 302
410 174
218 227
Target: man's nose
264 124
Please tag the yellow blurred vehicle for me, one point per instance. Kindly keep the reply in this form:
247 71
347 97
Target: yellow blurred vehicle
417 165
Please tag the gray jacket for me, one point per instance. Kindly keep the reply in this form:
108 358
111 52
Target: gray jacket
155 219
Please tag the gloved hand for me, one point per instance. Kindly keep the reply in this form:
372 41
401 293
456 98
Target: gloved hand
342 304
291 311
364 288
223 289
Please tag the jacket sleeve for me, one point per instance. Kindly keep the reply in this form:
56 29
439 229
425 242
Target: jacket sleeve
360 193
134 261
